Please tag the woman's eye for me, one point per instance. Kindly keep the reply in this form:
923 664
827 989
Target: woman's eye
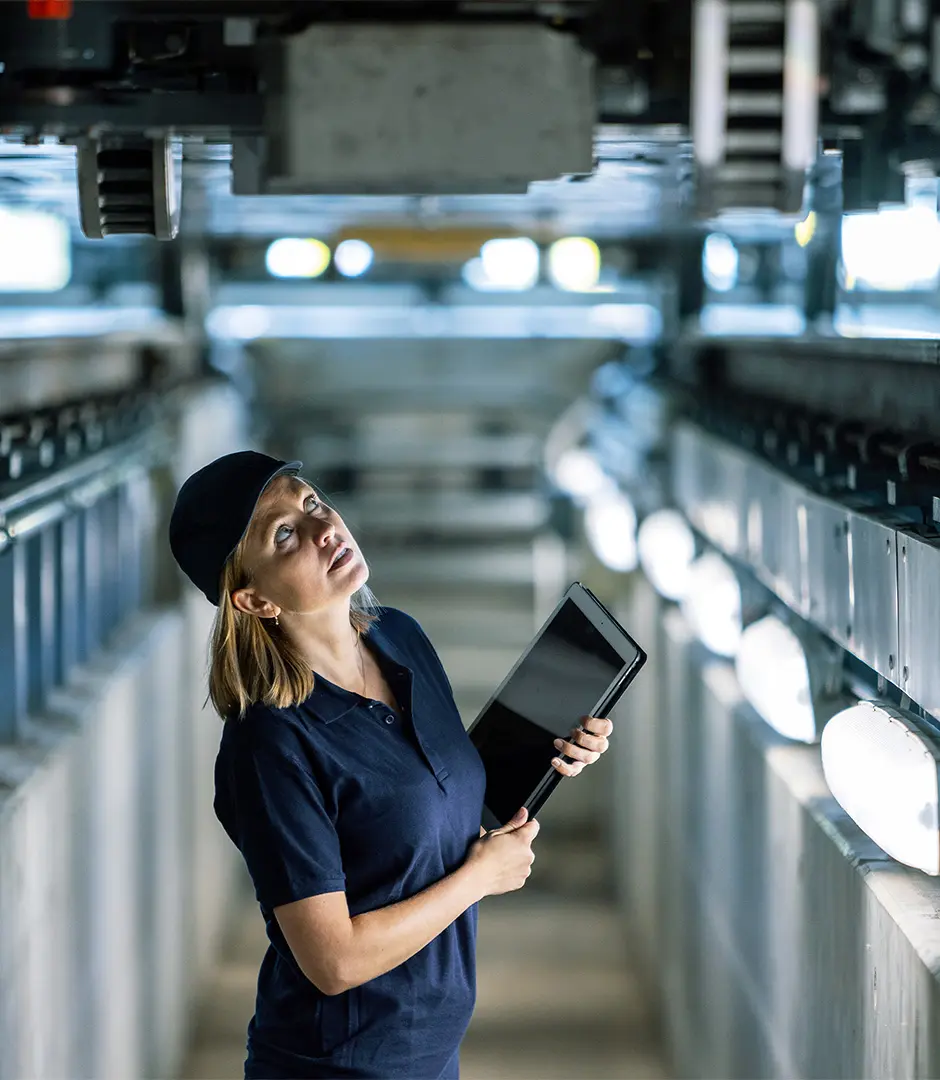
283 532
315 501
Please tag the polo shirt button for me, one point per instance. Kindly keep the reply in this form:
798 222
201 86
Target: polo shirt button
389 719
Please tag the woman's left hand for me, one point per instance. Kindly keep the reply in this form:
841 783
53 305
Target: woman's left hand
587 742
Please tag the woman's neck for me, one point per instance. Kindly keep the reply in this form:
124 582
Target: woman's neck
328 641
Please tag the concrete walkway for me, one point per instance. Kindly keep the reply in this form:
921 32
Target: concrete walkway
556 998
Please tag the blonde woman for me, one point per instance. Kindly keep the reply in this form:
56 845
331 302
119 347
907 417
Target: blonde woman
348 783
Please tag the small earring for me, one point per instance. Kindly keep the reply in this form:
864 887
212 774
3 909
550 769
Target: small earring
276 623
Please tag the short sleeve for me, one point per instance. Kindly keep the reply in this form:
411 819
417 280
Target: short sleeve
282 826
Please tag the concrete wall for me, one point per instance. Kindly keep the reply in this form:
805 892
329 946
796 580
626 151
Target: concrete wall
778 939
115 876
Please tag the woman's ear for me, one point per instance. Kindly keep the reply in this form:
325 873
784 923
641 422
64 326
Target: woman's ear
248 601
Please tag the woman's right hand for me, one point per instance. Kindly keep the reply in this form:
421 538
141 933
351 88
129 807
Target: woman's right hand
502 859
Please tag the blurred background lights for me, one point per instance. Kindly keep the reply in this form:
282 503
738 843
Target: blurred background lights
35 251
579 475
666 549
353 258
895 249
243 322
882 769
712 604
610 527
291 257
574 263
774 677
511 263
720 262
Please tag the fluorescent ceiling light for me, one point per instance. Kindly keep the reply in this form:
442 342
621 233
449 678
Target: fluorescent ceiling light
35 251
881 764
792 680
666 549
713 605
353 258
610 526
574 263
291 257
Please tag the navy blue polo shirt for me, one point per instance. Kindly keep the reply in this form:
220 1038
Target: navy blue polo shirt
341 793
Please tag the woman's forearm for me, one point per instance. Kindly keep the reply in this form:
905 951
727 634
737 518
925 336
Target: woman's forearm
384 938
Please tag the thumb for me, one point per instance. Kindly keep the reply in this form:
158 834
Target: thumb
517 820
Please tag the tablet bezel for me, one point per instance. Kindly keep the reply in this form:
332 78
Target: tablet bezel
617 638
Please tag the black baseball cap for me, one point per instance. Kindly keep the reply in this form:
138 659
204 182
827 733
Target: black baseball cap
212 512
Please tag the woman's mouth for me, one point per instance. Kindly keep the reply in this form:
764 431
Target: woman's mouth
341 559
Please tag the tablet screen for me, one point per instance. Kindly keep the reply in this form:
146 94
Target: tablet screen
560 680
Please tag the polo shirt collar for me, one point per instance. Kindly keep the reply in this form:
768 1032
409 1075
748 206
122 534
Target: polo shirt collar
329 702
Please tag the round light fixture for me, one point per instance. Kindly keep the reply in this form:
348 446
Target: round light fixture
574 263
292 257
881 764
666 547
353 258
610 525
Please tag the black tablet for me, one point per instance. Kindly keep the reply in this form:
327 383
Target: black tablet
577 665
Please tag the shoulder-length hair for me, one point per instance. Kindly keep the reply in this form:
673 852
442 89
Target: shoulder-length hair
252 659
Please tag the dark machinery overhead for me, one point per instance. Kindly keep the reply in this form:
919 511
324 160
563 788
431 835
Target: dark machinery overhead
469 96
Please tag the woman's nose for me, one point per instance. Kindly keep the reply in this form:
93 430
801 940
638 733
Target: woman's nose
322 532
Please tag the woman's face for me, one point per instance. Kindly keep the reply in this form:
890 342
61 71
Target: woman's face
293 550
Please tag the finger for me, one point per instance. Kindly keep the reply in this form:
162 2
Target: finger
567 768
592 742
579 753
597 725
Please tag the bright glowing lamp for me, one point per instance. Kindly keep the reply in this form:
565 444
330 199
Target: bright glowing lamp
610 525
713 604
35 251
896 248
881 764
666 548
791 679
574 263
580 476
511 263
291 257
353 258
720 262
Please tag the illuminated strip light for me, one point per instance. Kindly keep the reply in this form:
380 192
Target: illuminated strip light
882 765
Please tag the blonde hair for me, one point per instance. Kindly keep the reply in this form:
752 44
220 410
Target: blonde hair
253 659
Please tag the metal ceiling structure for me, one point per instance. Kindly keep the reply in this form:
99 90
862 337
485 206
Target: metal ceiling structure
641 182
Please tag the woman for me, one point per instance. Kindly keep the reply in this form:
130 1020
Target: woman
347 781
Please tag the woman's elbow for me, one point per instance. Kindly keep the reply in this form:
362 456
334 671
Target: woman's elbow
327 978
